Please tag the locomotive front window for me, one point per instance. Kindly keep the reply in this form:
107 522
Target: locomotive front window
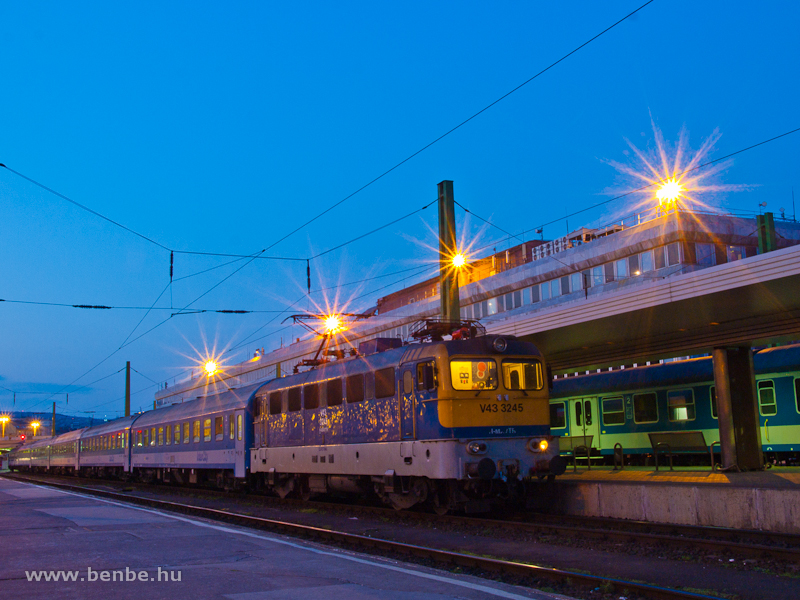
523 375
473 374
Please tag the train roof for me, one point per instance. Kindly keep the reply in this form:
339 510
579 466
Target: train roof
37 443
69 436
120 424
229 400
695 370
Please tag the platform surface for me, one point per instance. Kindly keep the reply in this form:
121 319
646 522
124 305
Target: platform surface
776 477
45 530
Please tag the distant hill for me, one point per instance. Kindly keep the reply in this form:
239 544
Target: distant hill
64 423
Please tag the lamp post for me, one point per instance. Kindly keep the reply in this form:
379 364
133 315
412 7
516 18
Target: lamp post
4 419
35 426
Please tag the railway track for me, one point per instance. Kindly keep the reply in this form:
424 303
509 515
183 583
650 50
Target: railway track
526 574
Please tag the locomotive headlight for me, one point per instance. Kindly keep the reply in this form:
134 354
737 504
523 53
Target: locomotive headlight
538 445
500 344
477 447
543 445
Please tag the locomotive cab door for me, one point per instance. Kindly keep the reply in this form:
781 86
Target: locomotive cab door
585 419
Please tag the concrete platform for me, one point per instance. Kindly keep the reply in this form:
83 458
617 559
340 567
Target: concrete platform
763 500
121 551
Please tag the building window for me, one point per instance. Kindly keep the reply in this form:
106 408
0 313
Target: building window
673 254
555 288
575 283
681 405
516 299
545 289
705 255
645 408
646 260
658 258
633 265
534 292
586 279
621 269
766 398
613 411
492 306
609 272
597 276
565 287
735 253
558 417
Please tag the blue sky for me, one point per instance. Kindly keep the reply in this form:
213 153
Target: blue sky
222 127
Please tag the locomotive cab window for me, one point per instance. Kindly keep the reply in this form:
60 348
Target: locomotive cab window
613 411
311 396
294 403
766 398
681 405
473 374
645 408
558 416
523 374
408 382
355 388
275 403
426 376
334 392
384 383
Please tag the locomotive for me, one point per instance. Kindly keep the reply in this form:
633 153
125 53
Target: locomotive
451 424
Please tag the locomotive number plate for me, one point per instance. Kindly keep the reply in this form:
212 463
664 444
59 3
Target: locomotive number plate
505 407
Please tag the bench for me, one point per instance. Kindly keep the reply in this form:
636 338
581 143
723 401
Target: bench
684 442
573 444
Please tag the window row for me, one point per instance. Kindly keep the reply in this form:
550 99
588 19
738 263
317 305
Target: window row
334 392
213 429
113 441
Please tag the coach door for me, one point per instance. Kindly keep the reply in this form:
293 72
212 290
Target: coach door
407 401
585 419
239 442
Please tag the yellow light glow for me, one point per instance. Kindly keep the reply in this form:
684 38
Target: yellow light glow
211 367
4 419
333 324
35 426
669 192
543 445
459 260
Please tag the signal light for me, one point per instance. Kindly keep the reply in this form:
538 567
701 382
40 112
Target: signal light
22 437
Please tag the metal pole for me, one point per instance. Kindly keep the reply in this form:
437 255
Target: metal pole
53 428
448 246
722 382
128 389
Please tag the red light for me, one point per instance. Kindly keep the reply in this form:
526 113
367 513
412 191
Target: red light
22 436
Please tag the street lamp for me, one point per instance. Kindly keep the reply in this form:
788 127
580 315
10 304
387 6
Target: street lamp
4 419
35 426
211 367
458 260
669 193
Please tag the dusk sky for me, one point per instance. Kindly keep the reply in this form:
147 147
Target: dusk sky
223 127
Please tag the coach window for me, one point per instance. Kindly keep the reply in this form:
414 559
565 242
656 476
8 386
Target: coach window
139 438
152 436
146 437
766 398
206 430
160 436
275 403
426 375
196 431
681 405
354 388
311 396
558 416
168 434
219 432
231 426
334 391
186 433
408 382
645 408
177 433
238 427
613 411
712 392
385 383
294 402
